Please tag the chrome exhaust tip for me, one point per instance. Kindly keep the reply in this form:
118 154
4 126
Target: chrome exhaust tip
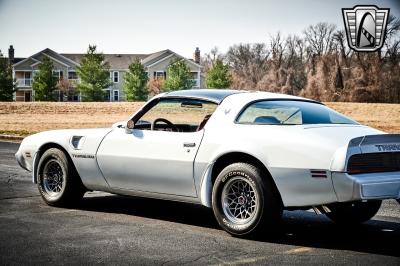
321 209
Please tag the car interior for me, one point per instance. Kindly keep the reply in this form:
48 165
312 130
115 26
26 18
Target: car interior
170 113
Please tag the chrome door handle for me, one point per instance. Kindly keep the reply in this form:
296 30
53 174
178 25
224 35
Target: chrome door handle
189 144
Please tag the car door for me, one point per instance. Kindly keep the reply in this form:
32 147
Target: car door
151 160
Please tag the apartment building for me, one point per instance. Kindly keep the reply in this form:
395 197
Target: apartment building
156 65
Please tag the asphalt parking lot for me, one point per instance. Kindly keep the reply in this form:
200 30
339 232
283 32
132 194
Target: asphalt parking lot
109 229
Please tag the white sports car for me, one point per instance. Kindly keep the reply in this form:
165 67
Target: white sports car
248 155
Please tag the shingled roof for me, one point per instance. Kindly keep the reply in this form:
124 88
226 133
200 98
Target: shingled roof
154 57
116 61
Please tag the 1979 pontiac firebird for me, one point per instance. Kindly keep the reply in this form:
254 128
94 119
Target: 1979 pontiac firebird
248 155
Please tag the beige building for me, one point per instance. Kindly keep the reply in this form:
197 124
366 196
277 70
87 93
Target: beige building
156 64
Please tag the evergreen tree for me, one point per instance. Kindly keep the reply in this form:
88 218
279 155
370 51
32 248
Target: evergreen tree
44 82
135 86
94 75
218 77
178 76
7 84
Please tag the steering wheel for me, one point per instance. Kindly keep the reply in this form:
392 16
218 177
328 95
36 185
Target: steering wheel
169 123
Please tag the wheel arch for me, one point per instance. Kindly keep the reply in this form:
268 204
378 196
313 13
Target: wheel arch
224 160
42 150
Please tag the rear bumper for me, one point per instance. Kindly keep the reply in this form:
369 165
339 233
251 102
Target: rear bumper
366 186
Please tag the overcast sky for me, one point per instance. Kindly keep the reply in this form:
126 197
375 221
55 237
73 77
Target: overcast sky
120 26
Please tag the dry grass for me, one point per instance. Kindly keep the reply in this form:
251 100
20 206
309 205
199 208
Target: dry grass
382 116
19 118
26 118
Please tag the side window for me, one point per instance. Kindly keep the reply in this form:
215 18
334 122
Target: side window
262 113
290 112
186 115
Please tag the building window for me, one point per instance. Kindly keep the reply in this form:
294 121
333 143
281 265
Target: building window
27 81
107 95
116 76
72 75
58 74
160 75
116 96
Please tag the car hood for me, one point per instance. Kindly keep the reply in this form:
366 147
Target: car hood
63 137
57 134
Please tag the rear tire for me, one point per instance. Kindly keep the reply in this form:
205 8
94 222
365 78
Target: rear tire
245 201
353 212
58 182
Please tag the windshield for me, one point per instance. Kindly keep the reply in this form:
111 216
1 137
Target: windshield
289 112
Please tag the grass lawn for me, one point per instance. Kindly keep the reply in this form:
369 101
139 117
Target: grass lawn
22 119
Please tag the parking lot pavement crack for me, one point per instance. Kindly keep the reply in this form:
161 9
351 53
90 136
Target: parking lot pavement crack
197 259
173 262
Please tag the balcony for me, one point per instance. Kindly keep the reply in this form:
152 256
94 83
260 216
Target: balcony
24 82
73 82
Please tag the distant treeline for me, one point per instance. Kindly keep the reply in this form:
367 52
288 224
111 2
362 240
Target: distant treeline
317 64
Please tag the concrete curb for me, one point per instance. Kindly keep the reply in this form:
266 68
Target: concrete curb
11 138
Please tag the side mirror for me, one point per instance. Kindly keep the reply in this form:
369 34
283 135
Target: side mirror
129 126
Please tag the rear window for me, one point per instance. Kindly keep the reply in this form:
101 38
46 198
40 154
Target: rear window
290 113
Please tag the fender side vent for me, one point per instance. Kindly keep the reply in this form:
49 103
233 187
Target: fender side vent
77 142
318 174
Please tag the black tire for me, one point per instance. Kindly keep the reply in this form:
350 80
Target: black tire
264 217
353 212
66 190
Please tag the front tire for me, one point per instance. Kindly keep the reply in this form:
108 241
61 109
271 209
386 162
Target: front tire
353 212
245 200
58 182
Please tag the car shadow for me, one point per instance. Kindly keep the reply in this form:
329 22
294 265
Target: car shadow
300 228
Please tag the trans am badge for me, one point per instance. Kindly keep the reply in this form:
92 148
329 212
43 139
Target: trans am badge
365 27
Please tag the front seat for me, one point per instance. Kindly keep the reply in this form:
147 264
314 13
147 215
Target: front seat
266 120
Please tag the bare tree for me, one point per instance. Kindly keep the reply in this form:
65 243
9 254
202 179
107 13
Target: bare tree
248 62
393 27
319 38
393 52
209 59
392 37
319 64
277 46
294 49
155 86
342 50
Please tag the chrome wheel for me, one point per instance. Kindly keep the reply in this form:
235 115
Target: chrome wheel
239 200
53 178
58 182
